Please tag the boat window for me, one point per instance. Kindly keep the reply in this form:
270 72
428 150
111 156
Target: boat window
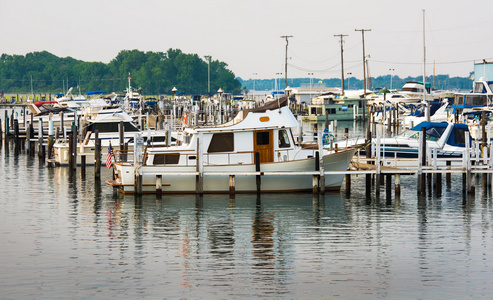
412 90
412 134
111 127
459 137
284 139
434 133
459 99
478 87
263 138
222 142
166 159
476 100
330 111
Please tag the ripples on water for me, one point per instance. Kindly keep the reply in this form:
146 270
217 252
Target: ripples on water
69 237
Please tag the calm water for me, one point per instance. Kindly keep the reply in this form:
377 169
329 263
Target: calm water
68 237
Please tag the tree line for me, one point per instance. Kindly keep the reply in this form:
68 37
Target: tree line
152 73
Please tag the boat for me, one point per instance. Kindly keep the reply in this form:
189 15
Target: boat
107 124
448 139
217 152
332 106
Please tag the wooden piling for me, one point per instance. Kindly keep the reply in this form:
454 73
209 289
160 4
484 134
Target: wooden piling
74 144
388 187
83 166
397 185
16 136
257 169
368 155
232 185
448 175
97 155
138 144
121 140
70 154
199 180
159 185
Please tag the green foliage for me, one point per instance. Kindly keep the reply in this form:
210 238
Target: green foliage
153 72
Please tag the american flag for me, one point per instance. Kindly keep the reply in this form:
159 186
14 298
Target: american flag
109 162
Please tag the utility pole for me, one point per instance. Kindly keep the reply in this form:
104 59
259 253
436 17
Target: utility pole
341 36
364 57
286 60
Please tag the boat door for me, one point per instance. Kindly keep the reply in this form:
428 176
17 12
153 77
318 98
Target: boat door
264 145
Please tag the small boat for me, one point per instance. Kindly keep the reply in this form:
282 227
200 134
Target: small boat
231 149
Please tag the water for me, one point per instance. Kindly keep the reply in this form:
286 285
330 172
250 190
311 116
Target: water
66 236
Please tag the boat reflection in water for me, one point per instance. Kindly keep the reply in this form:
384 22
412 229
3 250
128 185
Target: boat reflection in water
67 236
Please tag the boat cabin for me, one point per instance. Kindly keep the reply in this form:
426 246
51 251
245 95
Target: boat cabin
263 130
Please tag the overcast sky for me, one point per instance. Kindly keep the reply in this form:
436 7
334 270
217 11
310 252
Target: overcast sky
246 34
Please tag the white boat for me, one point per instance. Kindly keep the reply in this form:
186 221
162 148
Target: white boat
230 149
106 123
446 138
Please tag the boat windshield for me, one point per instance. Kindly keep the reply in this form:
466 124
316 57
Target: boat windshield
432 133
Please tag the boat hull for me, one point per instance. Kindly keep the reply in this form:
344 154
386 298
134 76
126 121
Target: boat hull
285 176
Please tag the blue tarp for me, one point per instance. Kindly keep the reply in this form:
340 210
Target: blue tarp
95 92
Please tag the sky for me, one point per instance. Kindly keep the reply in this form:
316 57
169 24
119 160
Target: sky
247 34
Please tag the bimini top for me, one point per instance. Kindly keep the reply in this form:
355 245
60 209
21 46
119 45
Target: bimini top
429 125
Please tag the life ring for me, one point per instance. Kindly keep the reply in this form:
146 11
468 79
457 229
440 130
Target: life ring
185 119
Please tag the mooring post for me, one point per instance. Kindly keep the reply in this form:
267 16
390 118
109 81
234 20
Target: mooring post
83 165
121 139
74 151
30 139
70 154
422 162
388 188
368 156
315 178
397 185
51 136
378 162
159 185
469 185
484 148
448 175
1 132
232 185
40 137
320 161
16 136
199 180
257 169
97 155
138 157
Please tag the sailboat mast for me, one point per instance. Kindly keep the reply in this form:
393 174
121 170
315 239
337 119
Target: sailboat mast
427 113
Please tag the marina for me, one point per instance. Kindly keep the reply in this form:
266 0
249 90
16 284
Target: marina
67 234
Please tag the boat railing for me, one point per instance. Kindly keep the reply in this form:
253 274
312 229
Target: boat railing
190 159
